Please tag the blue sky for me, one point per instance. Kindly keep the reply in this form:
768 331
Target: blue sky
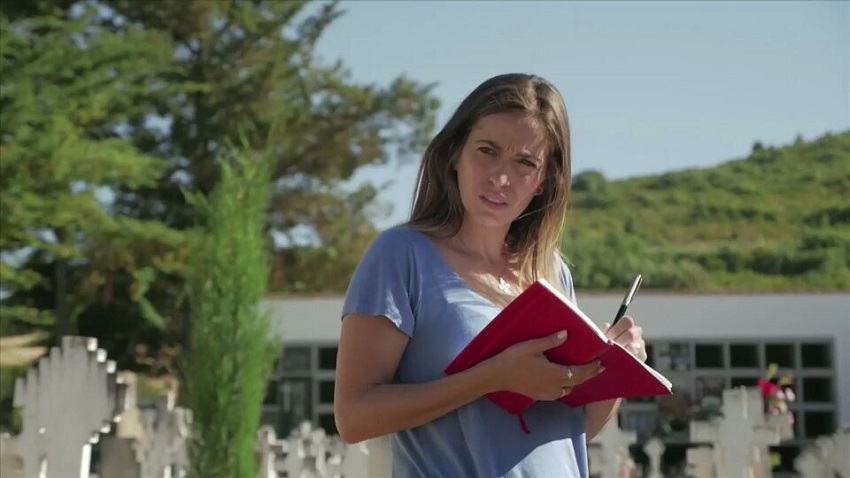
649 86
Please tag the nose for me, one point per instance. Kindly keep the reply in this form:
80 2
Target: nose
499 175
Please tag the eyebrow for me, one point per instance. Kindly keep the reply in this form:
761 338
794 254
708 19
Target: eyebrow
495 145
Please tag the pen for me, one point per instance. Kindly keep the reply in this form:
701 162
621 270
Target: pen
628 299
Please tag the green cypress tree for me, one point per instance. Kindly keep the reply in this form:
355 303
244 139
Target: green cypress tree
231 348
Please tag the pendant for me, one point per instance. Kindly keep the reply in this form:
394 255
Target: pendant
504 287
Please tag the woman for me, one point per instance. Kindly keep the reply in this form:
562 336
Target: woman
486 222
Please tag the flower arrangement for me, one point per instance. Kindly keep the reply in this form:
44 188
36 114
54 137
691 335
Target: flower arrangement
777 391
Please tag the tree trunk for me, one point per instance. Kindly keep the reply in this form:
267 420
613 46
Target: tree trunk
62 326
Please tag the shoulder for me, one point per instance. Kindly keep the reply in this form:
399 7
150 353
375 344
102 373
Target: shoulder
398 240
400 234
399 245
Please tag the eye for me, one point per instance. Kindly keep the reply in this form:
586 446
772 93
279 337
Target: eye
528 162
487 150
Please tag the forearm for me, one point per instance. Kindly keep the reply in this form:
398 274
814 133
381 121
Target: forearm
597 414
388 408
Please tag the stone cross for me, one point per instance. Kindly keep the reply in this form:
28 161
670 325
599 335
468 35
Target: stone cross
700 462
829 456
355 462
162 450
307 452
148 443
654 448
812 461
839 458
372 458
269 448
11 464
741 438
68 399
117 450
380 457
609 451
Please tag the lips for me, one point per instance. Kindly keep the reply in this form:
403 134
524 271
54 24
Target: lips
494 199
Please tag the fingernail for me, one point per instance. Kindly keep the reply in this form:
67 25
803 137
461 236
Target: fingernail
601 369
562 334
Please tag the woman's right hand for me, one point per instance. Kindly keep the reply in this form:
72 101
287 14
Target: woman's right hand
523 368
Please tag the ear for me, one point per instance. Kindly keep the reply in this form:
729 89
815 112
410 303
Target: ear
539 190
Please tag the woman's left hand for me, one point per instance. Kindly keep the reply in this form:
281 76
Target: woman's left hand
629 335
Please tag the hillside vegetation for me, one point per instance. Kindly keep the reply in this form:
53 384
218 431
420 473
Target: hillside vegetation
777 220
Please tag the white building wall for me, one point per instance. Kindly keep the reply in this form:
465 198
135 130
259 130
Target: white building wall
662 316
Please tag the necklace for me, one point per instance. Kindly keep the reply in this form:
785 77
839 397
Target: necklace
503 285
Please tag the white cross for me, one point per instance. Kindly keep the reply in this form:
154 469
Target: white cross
654 448
741 438
70 398
609 451
269 448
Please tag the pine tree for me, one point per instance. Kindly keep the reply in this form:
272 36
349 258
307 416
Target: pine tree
65 87
134 101
252 65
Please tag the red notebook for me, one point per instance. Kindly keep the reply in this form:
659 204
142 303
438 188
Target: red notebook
542 310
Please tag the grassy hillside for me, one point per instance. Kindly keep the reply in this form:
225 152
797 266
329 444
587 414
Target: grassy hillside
778 220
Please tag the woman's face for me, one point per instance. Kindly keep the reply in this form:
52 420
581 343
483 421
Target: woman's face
501 168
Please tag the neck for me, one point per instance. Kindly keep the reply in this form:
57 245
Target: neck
483 243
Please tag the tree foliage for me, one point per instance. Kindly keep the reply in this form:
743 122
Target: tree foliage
132 101
774 221
231 349
112 109
62 244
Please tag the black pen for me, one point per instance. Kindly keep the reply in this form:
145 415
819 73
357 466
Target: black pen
628 299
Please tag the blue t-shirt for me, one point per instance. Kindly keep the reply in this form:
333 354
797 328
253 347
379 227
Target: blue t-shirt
404 277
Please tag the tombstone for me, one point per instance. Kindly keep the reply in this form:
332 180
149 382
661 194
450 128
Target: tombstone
336 457
812 461
783 424
118 458
269 448
370 458
317 450
700 462
654 448
307 452
68 399
839 458
741 438
162 451
11 465
355 462
608 452
117 451
148 443
828 456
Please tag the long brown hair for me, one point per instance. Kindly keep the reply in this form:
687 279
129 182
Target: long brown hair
534 237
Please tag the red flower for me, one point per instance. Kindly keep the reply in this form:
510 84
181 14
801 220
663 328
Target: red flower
767 388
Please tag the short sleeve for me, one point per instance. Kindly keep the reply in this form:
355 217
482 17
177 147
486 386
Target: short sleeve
384 282
567 280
